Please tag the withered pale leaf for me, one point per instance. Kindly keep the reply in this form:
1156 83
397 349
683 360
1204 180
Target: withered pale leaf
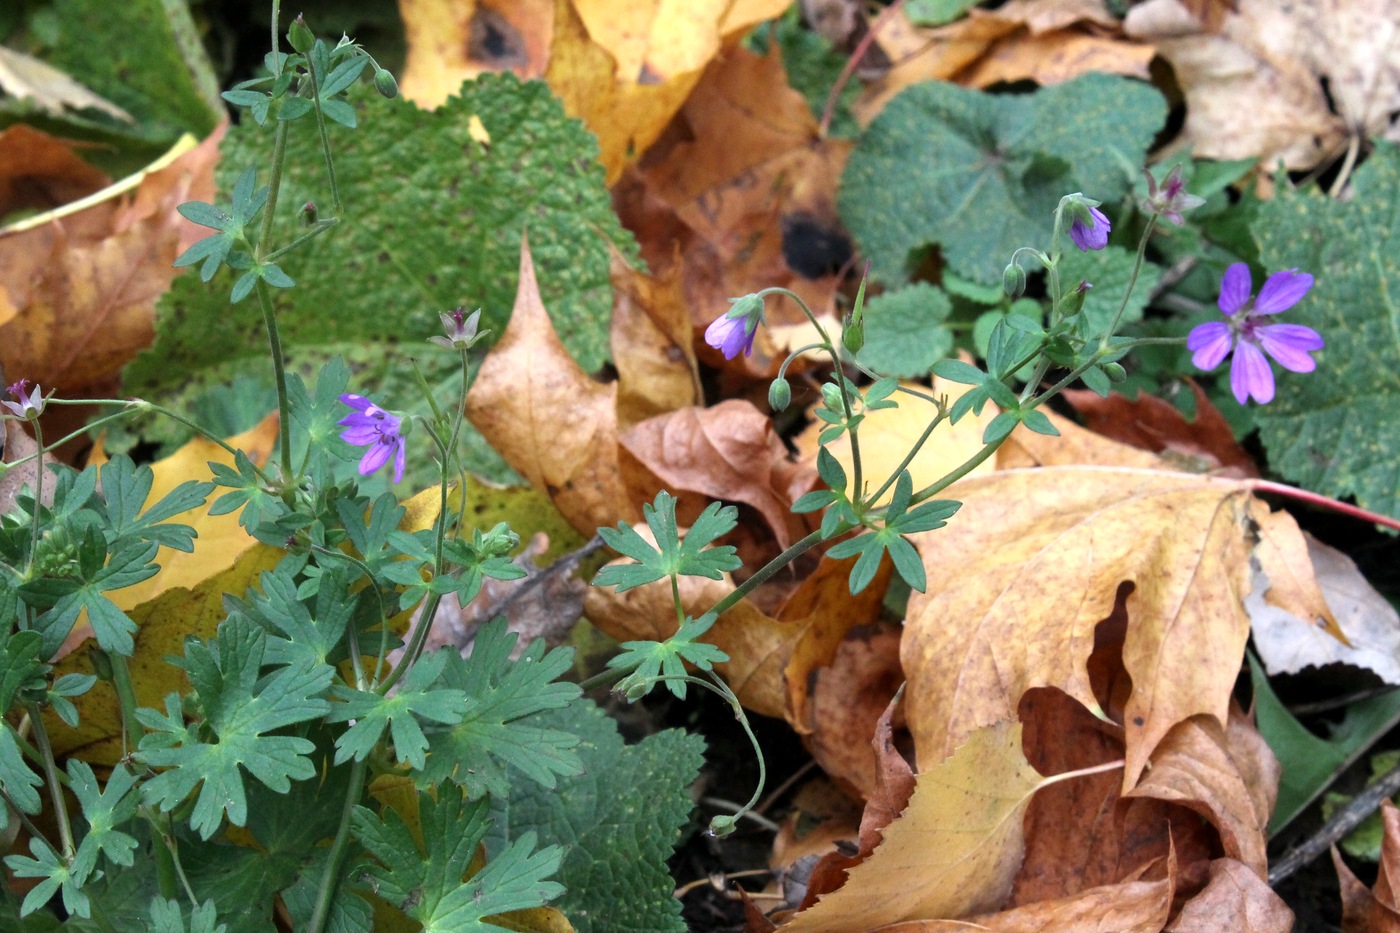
552 423
954 850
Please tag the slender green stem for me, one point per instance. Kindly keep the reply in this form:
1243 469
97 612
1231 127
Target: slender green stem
321 227
279 372
908 458
276 18
274 185
24 820
330 878
604 678
132 730
325 137
202 432
41 739
951 477
414 646
1132 280
766 572
38 497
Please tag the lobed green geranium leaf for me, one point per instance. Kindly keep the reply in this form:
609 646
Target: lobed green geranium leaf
668 658
978 175
670 555
415 697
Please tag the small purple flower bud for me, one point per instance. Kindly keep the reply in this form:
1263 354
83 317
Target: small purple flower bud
1090 234
27 405
309 213
300 35
735 331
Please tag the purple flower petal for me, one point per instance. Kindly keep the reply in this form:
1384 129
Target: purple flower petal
375 457
1211 342
1088 237
1290 345
357 402
1235 288
730 336
1250 375
1282 291
398 461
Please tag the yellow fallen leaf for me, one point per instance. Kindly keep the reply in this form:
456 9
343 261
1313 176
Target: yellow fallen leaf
953 851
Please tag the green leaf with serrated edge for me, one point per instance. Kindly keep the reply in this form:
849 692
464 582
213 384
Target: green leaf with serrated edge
46 864
416 697
1310 763
311 629
649 659
905 332
979 175
65 598
437 224
1337 431
238 708
20 667
670 555
1108 270
477 751
16 777
619 821
104 809
428 886
169 917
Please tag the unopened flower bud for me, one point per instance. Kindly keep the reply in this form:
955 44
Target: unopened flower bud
853 336
300 35
1013 280
1114 372
385 84
1074 301
309 213
779 395
832 397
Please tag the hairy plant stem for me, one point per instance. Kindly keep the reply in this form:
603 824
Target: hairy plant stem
331 876
38 497
325 137
41 739
1132 281
279 372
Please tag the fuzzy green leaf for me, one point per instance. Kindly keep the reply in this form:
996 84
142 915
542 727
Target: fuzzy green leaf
980 174
620 820
1337 431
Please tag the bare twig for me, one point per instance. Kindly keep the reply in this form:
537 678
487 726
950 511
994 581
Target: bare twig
1347 819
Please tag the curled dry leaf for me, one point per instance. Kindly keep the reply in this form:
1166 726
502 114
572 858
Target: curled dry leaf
1376 910
552 423
1236 899
78 285
653 344
1287 644
1047 43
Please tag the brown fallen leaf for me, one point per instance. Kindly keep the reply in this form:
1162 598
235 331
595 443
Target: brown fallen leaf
1376 910
1206 445
1034 560
14 480
653 344
1235 899
550 421
738 195
954 850
78 285
726 452
1045 42
626 68
39 172
1293 82
451 41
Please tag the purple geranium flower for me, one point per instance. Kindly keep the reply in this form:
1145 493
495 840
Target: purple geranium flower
1091 235
371 425
1246 333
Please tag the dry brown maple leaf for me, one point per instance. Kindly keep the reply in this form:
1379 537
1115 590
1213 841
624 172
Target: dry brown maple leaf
1033 562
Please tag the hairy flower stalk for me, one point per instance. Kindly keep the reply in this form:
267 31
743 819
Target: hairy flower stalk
1250 338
